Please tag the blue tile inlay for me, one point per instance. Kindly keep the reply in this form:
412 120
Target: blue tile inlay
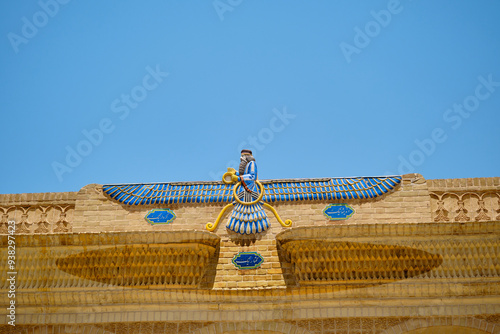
160 216
247 260
338 211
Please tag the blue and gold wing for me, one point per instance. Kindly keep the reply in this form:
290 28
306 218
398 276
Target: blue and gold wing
170 193
329 189
275 190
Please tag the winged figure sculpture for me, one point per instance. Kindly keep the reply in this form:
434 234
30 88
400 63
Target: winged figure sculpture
248 196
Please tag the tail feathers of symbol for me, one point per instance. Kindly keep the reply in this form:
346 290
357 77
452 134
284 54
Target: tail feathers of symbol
248 219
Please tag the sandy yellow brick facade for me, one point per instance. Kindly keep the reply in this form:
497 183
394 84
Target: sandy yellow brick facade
95 212
465 199
38 213
422 258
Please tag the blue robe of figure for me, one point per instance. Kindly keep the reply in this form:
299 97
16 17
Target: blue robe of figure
250 218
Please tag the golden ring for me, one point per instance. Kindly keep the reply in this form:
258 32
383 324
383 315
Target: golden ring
253 202
227 174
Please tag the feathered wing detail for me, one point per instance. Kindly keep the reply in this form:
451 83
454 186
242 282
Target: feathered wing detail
275 190
170 193
329 189
248 219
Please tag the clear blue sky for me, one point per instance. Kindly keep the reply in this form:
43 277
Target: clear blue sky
315 88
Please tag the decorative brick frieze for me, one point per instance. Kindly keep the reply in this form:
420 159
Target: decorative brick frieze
38 218
464 200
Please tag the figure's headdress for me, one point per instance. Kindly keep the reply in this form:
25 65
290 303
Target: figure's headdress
246 157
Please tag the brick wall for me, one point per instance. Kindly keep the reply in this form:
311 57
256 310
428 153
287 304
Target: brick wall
95 212
454 218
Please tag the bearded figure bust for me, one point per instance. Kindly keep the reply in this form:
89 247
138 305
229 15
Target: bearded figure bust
248 216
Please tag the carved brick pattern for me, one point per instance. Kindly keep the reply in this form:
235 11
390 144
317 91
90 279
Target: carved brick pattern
498 210
392 325
466 206
461 213
4 221
493 318
141 265
46 219
43 224
5 218
441 212
266 327
62 225
327 262
23 225
349 325
477 322
482 211
183 327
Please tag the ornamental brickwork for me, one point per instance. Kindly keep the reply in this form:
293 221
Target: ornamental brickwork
422 257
